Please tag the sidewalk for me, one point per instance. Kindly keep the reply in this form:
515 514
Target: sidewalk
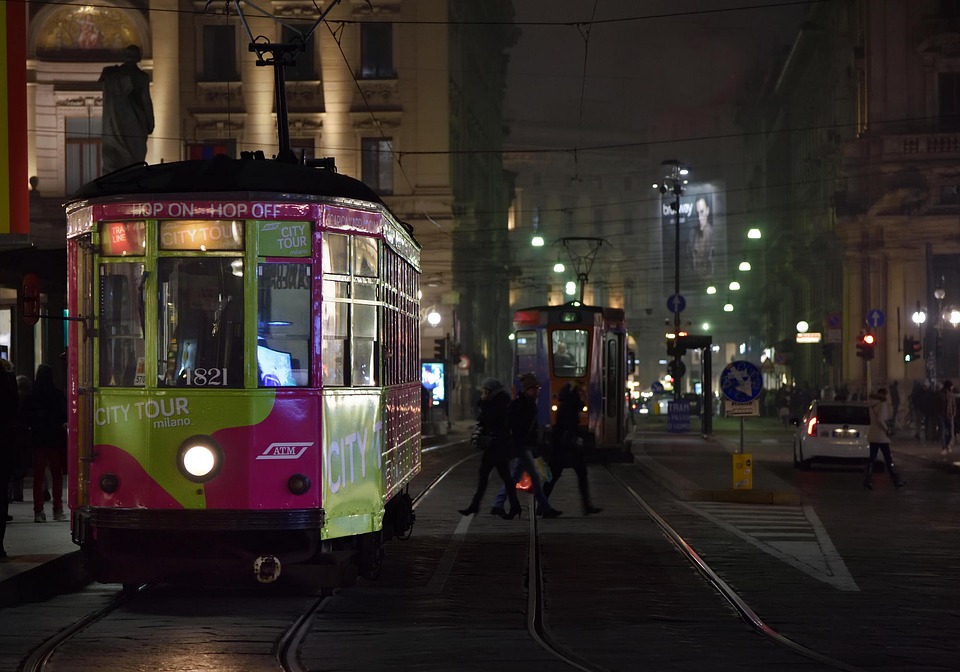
41 561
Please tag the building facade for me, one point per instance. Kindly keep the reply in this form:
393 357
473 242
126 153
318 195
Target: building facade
379 87
854 151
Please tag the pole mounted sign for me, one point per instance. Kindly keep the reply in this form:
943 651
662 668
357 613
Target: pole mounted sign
676 303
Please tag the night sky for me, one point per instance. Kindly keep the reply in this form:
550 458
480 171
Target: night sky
649 72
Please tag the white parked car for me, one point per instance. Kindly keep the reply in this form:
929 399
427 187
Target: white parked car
832 431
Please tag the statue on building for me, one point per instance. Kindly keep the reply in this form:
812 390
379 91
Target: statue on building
127 112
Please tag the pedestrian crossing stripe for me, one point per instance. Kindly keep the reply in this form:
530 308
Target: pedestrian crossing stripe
793 534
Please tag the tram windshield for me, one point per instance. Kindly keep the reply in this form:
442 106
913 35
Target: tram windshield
121 325
200 316
569 348
283 324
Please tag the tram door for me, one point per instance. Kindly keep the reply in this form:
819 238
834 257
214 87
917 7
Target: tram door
614 383
84 329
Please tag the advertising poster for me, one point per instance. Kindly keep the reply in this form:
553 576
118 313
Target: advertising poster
703 240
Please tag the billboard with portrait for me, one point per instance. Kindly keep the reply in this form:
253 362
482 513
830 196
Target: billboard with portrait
703 240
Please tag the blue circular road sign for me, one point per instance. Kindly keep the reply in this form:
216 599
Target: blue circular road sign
741 381
676 303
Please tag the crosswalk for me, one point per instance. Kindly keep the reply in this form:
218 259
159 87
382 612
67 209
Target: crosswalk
793 534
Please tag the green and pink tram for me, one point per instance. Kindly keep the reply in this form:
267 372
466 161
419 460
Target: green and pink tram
244 373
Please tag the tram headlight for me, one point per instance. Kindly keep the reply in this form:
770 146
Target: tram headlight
200 459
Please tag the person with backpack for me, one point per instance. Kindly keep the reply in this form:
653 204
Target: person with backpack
493 438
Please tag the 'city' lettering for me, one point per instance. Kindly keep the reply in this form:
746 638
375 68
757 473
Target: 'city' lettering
346 451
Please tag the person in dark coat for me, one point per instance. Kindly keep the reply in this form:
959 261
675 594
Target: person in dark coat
9 409
46 414
566 445
522 416
494 439
21 439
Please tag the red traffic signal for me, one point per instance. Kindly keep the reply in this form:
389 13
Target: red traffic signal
865 345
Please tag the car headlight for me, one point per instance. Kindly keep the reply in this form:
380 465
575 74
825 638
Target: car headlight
200 458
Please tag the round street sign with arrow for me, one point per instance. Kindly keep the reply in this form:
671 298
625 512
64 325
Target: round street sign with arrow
741 381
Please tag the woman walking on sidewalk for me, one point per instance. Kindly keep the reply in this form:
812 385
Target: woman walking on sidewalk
46 413
9 406
879 439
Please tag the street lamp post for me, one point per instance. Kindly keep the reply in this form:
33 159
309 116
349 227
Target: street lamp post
673 181
939 294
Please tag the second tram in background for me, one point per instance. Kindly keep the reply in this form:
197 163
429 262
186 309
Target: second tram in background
575 343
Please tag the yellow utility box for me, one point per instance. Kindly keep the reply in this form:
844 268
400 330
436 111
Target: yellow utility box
742 471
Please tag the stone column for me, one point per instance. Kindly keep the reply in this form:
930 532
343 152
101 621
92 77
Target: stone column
338 139
165 144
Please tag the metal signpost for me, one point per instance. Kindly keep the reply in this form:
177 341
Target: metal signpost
741 383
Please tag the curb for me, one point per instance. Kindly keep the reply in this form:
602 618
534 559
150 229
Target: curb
685 489
62 574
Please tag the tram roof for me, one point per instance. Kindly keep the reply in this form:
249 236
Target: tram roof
528 315
223 174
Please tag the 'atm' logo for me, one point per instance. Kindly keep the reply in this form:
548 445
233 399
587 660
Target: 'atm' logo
286 450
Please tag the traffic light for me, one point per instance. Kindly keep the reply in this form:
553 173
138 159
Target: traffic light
676 344
911 349
440 349
865 346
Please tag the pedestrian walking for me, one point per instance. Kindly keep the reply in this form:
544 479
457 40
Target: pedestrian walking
566 445
522 417
21 439
493 437
46 415
879 439
948 411
9 408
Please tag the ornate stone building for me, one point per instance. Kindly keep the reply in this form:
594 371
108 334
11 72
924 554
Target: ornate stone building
854 143
391 89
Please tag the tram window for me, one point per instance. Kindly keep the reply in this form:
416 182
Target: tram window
350 310
569 347
336 257
364 344
365 256
283 324
334 325
121 325
200 322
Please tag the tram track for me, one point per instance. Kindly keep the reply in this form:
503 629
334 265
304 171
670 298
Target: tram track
747 614
554 646
39 658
